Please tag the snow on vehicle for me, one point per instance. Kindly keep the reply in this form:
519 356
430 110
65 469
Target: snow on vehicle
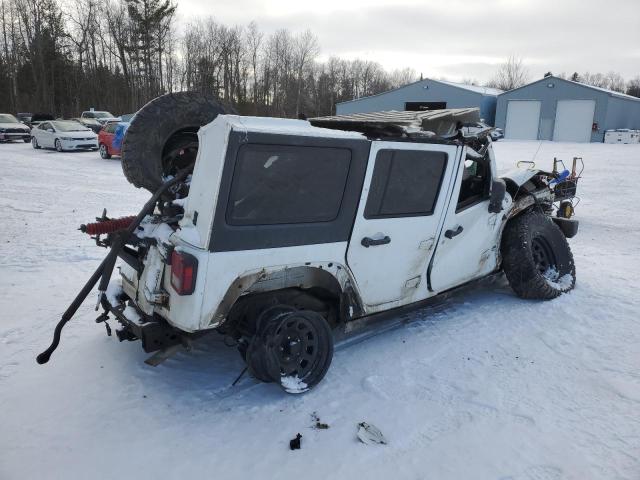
274 232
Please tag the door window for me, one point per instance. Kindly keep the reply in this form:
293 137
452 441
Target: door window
475 184
405 183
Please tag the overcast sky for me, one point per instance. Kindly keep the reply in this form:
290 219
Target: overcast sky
454 38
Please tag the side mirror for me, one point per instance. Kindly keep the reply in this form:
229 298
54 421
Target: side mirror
50 130
498 192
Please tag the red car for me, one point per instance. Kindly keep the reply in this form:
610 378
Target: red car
105 140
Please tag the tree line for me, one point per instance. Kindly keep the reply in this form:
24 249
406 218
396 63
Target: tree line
64 56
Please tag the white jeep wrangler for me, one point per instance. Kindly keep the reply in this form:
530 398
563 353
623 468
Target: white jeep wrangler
289 228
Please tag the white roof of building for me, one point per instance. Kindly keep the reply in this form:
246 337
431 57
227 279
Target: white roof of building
606 90
580 84
471 88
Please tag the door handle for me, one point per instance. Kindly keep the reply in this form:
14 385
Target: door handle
372 242
452 233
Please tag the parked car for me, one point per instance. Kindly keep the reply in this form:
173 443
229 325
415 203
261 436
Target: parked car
105 140
24 117
38 118
101 116
274 231
91 123
63 135
12 129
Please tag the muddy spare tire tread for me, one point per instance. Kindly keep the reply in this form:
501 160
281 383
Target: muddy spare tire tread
518 261
152 127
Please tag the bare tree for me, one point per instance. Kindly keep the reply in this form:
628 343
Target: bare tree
306 49
511 74
633 87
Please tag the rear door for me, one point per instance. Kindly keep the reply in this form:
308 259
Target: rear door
404 197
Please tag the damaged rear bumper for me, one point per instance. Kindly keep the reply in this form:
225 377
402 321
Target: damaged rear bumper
153 331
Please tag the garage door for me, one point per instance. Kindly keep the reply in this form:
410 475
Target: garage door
523 118
574 119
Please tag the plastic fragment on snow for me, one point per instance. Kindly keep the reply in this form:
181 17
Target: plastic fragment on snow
294 443
370 434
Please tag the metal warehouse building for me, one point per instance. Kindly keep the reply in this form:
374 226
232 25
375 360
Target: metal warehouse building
561 110
427 94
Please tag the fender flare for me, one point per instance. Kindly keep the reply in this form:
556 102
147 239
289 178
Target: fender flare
330 277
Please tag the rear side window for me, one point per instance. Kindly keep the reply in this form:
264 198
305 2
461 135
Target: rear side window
405 183
276 184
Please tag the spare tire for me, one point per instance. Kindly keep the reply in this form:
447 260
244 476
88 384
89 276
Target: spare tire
162 137
536 257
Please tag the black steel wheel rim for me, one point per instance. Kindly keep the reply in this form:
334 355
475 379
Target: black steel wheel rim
543 255
296 347
180 151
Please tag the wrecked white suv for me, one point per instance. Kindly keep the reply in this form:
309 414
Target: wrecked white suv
287 229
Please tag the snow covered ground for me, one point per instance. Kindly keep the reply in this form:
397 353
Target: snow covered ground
487 387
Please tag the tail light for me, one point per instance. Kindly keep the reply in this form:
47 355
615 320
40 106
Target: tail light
184 269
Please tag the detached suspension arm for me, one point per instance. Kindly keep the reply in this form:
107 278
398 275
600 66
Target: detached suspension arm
105 268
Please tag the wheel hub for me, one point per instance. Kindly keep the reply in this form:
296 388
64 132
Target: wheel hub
297 347
543 256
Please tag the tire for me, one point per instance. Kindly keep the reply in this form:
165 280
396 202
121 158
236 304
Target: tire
162 137
26 140
536 257
58 145
293 339
104 152
255 354
34 143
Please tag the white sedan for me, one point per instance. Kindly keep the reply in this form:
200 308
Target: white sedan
63 135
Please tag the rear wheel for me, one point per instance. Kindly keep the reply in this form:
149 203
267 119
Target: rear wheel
34 143
536 257
58 145
291 347
104 152
162 137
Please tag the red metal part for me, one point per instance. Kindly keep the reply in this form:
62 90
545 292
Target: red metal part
107 226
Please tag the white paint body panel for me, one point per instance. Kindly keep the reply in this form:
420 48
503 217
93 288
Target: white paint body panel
395 274
523 119
574 119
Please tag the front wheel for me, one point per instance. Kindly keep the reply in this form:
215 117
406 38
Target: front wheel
536 257
26 139
58 145
34 143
